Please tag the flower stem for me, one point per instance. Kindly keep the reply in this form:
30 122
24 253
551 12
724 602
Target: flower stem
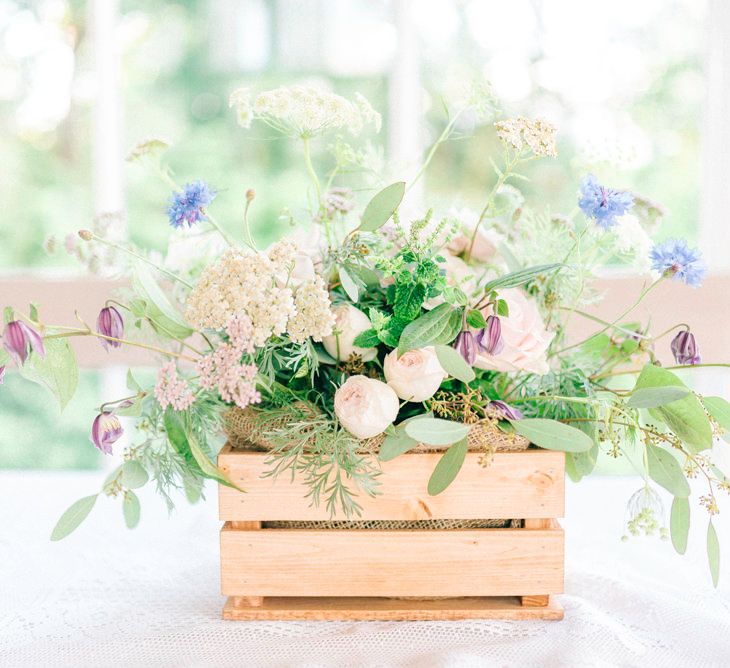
442 138
310 170
219 229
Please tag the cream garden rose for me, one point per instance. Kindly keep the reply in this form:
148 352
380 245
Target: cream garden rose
349 322
415 375
365 406
524 335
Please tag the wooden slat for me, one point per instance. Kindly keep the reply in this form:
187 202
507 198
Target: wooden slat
483 562
515 485
389 609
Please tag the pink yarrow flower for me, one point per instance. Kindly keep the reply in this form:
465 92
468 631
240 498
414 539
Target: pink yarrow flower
171 390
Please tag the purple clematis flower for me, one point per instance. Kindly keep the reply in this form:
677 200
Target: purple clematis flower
105 431
509 412
466 345
685 349
490 338
19 339
110 323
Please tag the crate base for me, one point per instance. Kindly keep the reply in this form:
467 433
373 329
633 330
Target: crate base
388 609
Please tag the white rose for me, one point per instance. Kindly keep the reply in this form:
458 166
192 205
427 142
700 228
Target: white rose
524 335
349 322
415 375
365 406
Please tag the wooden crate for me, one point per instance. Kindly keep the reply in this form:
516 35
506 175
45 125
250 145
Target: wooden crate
373 574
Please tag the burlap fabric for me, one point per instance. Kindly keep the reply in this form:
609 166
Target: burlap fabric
247 429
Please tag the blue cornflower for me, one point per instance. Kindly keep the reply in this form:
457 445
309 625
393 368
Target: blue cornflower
674 258
188 204
602 204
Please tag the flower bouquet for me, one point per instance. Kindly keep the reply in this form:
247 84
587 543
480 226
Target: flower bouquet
378 328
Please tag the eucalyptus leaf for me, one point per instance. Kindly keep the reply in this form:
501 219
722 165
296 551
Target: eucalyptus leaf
130 509
520 277
448 467
73 516
134 474
381 207
685 417
348 284
57 371
435 431
454 364
132 384
679 523
396 443
665 470
553 435
651 397
713 553
719 409
441 325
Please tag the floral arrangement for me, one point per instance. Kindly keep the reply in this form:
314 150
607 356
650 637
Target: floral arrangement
375 329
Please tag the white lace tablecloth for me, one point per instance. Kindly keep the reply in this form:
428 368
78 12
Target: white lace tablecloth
150 597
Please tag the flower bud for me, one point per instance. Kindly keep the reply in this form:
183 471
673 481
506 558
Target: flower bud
105 431
110 323
466 345
509 412
250 194
2 374
490 338
685 349
86 235
19 339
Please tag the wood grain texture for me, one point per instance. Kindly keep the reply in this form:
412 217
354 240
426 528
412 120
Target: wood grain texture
481 562
528 484
384 609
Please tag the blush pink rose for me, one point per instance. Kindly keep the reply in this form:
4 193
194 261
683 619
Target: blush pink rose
485 244
415 375
525 338
365 406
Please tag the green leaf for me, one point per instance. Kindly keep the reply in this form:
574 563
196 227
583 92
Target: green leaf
164 317
8 314
57 370
130 509
133 410
665 470
435 431
502 308
397 441
713 553
679 523
520 277
71 519
719 409
448 467
553 435
381 207
367 339
454 364
134 474
441 325
580 464
132 384
33 311
348 284
651 397
408 300
475 319
685 417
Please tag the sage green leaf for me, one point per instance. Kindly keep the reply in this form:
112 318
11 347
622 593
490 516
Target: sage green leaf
679 523
713 553
208 468
130 509
381 207
454 364
397 441
71 519
57 370
441 325
133 410
651 397
435 431
367 339
134 474
323 356
164 317
475 319
580 464
348 284
520 277
448 467
553 435
132 384
685 417
665 470
719 409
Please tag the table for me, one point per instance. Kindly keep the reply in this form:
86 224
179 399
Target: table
106 596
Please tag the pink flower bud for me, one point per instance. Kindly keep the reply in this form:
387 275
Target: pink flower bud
19 339
685 349
466 345
110 323
490 338
106 430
